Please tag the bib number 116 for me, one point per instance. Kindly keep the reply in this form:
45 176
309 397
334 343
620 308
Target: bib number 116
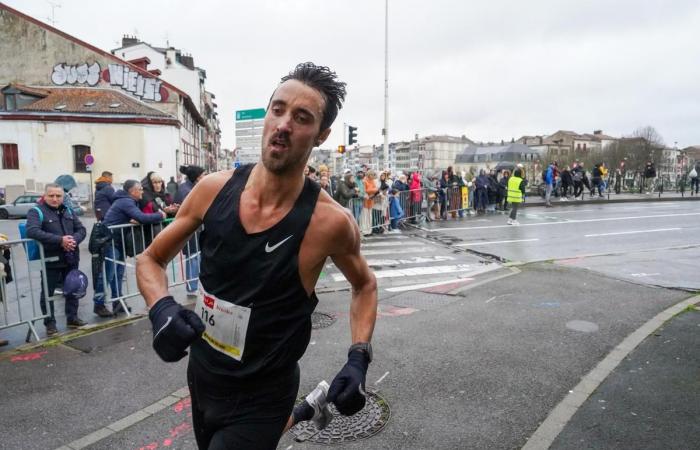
208 318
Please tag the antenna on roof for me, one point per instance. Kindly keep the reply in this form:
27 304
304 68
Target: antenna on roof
53 5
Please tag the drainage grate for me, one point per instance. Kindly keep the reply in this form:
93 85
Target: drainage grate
362 425
321 320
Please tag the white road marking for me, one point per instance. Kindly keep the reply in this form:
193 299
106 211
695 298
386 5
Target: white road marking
389 244
603 219
381 378
413 260
632 232
414 287
414 271
637 275
393 251
471 244
497 296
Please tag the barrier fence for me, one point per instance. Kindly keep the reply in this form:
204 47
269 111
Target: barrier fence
21 282
382 212
114 267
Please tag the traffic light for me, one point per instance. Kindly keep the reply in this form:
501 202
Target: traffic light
352 135
341 149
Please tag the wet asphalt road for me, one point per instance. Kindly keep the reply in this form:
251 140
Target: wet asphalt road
650 243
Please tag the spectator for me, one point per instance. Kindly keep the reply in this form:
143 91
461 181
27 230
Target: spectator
597 181
492 191
416 195
5 273
515 195
104 194
503 189
395 211
371 191
694 178
171 188
347 190
550 176
325 184
360 183
191 251
154 197
566 182
124 211
481 194
649 178
442 194
60 232
312 174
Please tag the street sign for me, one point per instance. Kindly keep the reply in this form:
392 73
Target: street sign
89 159
250 114
88 168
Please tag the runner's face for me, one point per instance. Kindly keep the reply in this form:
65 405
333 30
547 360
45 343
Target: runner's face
292 127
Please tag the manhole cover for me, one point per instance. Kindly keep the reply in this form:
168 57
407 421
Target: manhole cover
362 425
321 320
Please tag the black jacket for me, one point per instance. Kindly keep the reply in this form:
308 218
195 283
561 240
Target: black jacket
104 196
345 192
57 223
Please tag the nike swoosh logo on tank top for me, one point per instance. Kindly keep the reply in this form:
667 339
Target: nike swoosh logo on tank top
269 249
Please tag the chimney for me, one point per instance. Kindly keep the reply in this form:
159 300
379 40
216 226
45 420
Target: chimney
128 41
187 61
170 56
596 132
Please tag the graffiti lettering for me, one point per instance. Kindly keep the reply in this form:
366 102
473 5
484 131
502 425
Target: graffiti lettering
132 81
72 74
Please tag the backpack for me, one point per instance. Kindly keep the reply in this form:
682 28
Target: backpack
31 247
544 175
578 175
99 237
693 173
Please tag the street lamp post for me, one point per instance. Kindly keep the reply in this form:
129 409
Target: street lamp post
385 131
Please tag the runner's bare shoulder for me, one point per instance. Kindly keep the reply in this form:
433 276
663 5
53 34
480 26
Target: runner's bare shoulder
206 190
334 224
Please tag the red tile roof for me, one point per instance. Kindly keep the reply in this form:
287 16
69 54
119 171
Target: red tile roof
91 101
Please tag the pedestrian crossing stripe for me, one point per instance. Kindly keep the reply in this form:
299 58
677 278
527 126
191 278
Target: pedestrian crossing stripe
394 251
414 271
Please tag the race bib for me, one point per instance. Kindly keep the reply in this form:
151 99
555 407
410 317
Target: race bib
226 324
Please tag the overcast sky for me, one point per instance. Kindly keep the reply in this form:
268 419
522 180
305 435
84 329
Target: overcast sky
488 69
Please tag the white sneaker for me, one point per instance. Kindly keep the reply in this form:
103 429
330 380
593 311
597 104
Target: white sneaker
515 222
317 400
510 221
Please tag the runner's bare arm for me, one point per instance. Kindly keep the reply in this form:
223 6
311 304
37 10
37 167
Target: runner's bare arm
347 257
150 265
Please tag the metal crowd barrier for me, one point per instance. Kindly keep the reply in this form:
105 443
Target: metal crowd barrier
118 270
417 205
19 298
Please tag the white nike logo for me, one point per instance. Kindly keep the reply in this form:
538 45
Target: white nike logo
167 322
269 249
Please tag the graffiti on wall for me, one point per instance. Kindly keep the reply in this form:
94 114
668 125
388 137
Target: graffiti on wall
132 81
76 74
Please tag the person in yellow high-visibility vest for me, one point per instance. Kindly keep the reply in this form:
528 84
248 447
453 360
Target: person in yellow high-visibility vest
515 195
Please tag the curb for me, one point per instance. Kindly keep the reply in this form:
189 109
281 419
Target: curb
612 200
557 419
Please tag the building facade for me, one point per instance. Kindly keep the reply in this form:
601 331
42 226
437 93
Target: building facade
63 98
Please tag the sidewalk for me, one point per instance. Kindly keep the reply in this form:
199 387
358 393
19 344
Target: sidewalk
608 197
651 400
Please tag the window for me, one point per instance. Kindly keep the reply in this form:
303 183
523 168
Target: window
79 152
10 157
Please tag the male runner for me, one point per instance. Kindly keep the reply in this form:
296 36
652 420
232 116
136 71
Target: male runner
267 233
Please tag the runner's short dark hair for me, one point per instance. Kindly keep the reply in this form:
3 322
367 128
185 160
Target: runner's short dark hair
325 81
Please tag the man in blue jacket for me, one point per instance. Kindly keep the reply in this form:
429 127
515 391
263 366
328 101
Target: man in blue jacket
60 232
124 210
549 178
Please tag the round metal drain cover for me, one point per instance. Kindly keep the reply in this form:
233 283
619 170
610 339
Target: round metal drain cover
362 425
321 320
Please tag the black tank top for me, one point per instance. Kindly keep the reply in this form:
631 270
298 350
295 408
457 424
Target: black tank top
259 271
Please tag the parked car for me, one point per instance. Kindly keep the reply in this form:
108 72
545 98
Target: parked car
21 206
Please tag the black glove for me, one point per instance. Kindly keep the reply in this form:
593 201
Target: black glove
174 329
347 390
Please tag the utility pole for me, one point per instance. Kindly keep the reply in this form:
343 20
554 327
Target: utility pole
385 131
53 12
